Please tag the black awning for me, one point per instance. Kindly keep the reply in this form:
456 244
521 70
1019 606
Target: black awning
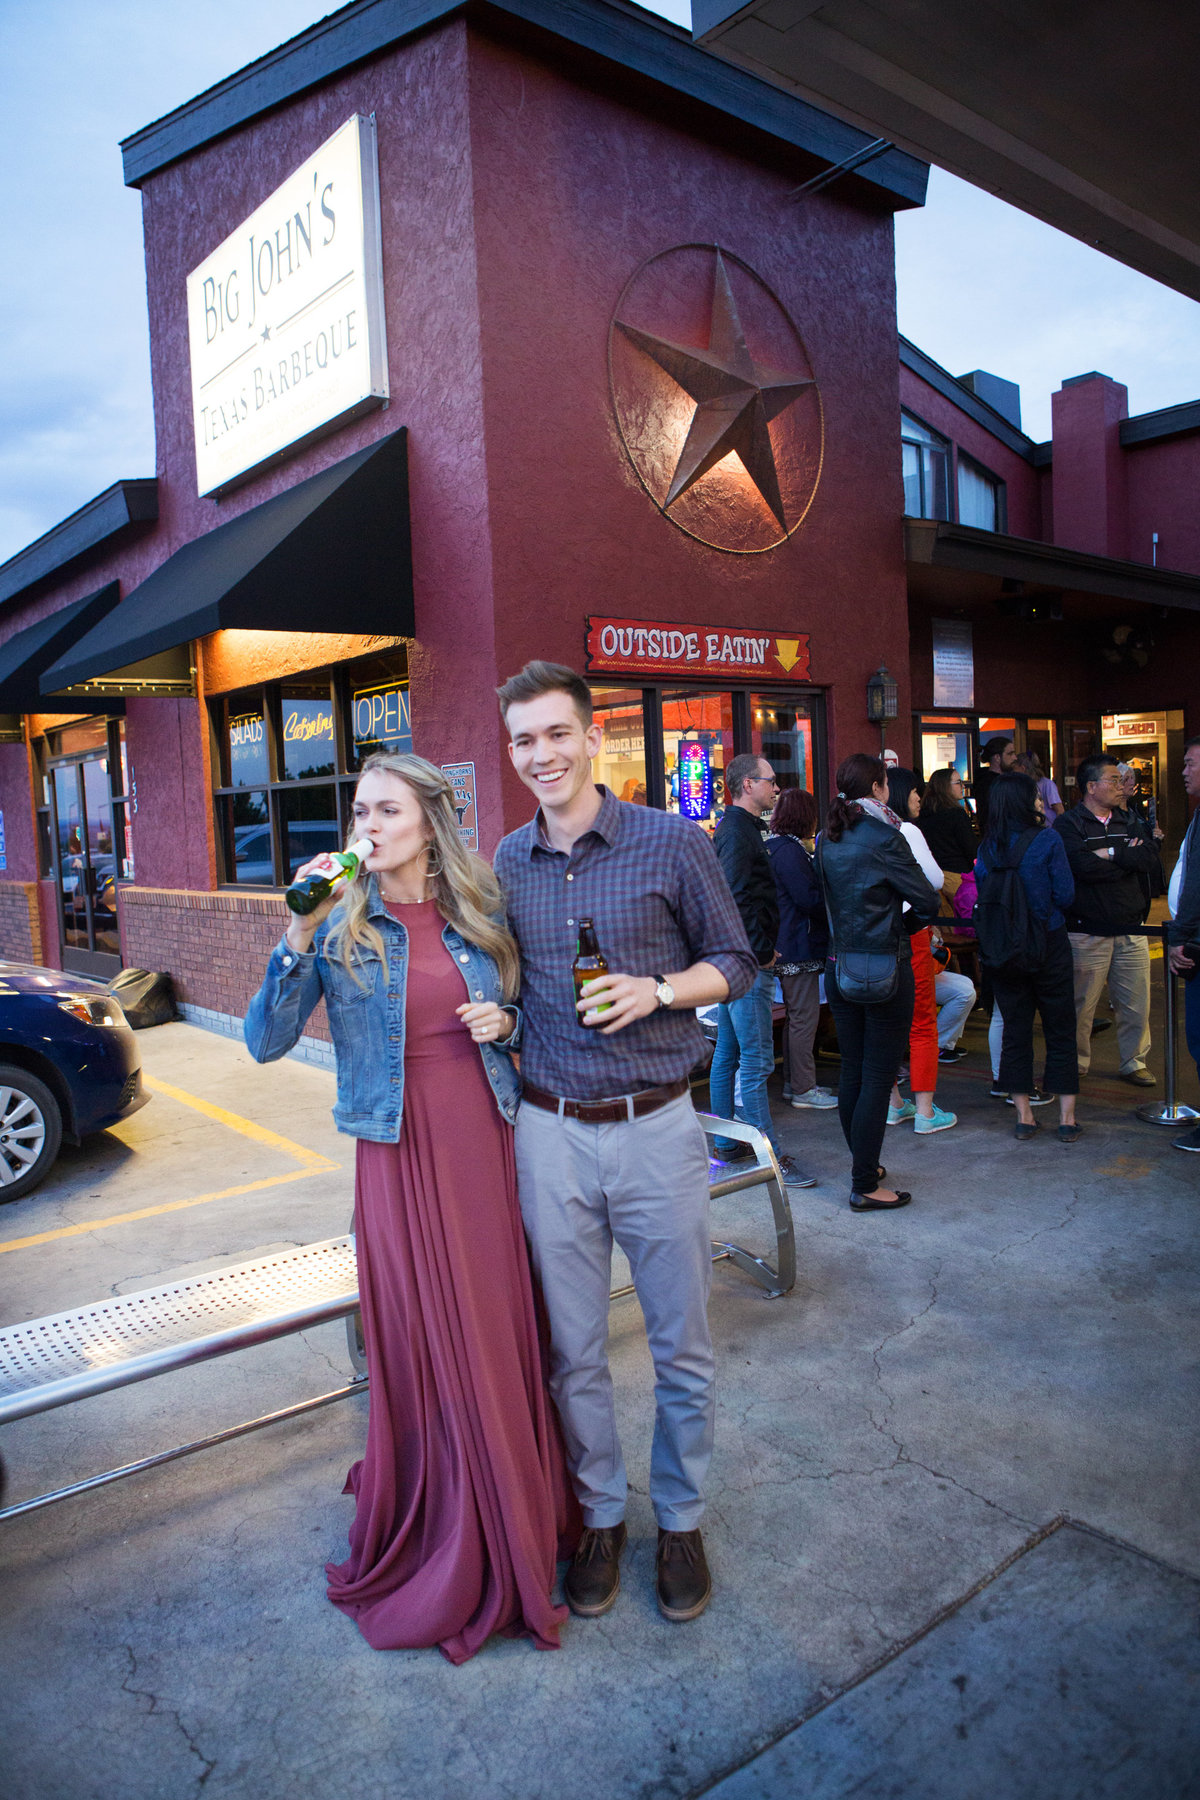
331 554
26 655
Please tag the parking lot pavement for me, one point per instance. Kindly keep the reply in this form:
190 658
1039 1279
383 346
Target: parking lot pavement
1017 1346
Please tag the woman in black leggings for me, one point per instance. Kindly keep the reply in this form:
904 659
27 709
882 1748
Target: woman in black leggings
869 873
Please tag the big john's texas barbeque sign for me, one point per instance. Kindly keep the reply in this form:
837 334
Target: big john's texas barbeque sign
651 647
285 318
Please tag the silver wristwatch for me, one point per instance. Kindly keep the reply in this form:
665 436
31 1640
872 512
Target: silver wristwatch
664 993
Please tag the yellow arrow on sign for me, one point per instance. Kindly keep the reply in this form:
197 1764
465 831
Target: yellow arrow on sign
787 651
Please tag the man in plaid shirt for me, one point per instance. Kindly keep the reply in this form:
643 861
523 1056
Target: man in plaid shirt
607 1142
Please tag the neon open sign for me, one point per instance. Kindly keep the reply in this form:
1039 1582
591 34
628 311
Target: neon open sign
695 781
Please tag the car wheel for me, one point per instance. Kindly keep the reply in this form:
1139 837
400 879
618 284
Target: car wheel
30 1131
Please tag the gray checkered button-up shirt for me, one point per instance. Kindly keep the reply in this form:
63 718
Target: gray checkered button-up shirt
652 884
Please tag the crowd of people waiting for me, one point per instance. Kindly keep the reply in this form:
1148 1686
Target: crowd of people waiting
1057 896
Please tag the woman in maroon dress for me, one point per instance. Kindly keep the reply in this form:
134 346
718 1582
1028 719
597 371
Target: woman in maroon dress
462 1499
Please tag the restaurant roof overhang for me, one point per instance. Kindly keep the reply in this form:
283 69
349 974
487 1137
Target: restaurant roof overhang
332 553
1083 115
632 42
957 561
119 512
27 654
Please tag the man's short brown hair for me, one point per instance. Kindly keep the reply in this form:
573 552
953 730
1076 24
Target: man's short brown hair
546 678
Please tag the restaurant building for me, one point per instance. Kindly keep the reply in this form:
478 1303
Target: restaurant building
495 331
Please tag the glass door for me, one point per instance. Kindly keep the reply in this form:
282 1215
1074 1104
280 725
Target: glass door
86 868
697 741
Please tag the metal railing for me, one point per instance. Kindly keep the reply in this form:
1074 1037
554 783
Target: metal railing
50 1362
1167 1111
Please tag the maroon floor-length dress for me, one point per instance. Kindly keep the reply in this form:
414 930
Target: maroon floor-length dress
462 1498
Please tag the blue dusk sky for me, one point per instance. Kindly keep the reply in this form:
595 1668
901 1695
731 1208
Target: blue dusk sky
980 285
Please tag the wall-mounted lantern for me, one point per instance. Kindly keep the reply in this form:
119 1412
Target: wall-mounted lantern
882 702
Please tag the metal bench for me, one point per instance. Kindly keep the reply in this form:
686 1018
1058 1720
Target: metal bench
87 1350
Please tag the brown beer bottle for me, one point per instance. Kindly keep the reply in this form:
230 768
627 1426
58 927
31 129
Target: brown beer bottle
589 962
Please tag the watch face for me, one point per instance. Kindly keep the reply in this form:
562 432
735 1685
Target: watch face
665 992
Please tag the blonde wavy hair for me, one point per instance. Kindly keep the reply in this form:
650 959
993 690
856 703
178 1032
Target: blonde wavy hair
466 891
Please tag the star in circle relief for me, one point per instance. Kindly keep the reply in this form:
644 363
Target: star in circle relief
715 398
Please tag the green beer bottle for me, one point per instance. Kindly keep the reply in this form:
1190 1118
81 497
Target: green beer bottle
590 962
305 895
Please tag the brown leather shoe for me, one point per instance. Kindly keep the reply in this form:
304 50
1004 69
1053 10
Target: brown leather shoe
593 1580
684 1585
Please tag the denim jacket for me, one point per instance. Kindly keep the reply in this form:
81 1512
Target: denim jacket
367 1023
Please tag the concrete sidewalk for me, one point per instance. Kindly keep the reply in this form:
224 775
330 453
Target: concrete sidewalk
1016 1348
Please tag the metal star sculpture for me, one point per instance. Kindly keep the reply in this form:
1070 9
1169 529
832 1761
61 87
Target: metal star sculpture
736 398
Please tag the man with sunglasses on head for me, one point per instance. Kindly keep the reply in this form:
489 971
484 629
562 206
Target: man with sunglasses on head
1112 857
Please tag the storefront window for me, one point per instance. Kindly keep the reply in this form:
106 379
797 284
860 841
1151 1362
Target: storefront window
307 730
287 758
781 729
697 736
310 825
1039 741
246 742
620 762
379 709
245 831
946 744
77 740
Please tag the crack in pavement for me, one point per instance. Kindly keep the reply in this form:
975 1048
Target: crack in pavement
316 1350
209 1763
883 1428
1068 1218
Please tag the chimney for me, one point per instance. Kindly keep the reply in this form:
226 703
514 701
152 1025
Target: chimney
1002 396
1091 507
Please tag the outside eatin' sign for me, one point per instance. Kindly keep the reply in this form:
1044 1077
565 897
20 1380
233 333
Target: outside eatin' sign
649 647
285 318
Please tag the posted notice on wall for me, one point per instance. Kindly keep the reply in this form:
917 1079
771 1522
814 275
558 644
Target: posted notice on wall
285 318
953 663
461 777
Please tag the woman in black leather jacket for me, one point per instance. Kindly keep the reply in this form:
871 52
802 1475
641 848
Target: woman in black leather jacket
869 872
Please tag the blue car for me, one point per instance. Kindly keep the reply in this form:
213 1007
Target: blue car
69 1065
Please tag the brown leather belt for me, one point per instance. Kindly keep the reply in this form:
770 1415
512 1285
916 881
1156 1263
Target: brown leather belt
606 1112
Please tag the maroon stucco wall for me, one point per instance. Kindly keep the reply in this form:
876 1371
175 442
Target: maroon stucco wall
17 805
1163 482
419 94
574 189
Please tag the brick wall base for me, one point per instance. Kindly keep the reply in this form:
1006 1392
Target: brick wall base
20 922
214 947
309 1049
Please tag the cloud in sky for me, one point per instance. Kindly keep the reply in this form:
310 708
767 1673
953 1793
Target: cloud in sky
980 285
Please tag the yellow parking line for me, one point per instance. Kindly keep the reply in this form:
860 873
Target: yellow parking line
312 1162
246 1127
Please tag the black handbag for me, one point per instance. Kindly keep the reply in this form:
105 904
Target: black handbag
864 977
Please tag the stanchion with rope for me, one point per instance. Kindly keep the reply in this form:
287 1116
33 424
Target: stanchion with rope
1168 1111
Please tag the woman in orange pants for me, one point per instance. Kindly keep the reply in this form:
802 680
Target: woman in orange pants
904 797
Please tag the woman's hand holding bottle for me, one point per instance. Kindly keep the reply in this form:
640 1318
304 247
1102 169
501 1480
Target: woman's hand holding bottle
302 927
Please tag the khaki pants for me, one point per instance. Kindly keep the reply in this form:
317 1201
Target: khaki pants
644 1183
1124 963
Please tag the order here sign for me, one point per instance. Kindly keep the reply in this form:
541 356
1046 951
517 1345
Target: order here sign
285 318
652 647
